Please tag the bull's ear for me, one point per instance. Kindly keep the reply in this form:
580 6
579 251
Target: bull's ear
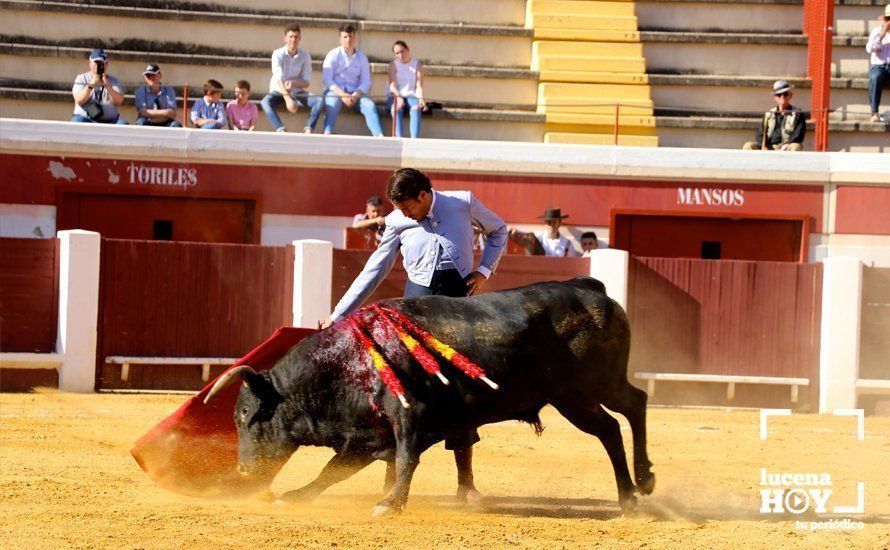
260 386
256 382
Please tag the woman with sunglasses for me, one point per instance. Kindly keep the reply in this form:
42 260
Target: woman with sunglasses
405 89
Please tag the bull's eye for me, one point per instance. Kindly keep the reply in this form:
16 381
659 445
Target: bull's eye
244 412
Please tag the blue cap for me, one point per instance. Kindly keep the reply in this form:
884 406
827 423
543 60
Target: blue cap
98 55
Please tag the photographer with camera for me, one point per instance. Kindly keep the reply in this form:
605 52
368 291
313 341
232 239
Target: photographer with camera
97 94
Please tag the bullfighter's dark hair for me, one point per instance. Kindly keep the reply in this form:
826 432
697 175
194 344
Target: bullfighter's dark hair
407 183
375 201
212 86
295 27
588 235
348 28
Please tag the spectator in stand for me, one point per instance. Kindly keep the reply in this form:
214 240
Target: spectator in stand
97 94
240 112
878 46
155 103
208 112
551 241
347 81
291 76
589 243
405 88
372 219
782 128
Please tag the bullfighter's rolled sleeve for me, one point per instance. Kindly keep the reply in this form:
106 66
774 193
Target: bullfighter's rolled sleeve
378 267
495 235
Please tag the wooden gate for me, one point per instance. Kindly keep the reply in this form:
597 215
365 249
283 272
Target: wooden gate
704 317
168 299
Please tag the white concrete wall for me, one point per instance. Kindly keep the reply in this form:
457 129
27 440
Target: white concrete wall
282 229
78 309
611 267
313 273
841 320
27 220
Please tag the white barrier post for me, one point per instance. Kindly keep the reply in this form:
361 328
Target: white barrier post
78 309
839 350
313 270
610 266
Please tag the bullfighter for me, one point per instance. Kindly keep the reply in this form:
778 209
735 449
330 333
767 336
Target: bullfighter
434 232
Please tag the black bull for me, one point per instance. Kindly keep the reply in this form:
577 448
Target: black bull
559 343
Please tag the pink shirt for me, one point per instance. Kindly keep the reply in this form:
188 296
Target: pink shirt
241 117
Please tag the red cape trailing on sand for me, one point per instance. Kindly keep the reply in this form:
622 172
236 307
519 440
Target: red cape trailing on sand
194 451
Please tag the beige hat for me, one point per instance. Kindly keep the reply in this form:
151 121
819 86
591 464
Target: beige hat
887 10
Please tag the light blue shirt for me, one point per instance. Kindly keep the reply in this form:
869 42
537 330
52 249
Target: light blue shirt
446 231
165 98
349 74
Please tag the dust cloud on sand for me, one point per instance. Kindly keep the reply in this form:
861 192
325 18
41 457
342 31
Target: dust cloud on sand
67 480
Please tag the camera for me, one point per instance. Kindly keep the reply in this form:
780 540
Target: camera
100 68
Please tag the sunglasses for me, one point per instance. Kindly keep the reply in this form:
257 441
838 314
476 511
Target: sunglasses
783 94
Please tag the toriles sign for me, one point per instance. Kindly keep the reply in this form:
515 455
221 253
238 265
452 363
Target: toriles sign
156 175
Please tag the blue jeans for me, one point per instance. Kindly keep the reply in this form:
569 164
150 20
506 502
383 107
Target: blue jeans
169 124
878 78
81 118
413 113
274 100
333 104
212 126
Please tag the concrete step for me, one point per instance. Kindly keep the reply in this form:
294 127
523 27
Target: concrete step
443 82
559 90
587 48
601 139
490 12
585 22
536 8
593 78
548 33
601 120
450 123
581 65
446 44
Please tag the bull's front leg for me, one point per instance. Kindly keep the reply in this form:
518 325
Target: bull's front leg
407 459
340 467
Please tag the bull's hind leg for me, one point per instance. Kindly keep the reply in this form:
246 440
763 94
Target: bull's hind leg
595 421
407 459
631 402
341 466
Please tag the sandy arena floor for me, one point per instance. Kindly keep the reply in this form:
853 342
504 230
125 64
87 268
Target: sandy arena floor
67 480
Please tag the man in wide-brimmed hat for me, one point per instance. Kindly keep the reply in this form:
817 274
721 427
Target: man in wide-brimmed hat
550 242
783 127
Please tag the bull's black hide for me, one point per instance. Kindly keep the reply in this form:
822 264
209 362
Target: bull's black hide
562 343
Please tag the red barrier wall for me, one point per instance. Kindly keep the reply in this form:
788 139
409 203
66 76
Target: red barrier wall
874 337
162 299
343 192
726 317
29 286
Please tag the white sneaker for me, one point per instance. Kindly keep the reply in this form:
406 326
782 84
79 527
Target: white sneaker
282 129
877 118
307 130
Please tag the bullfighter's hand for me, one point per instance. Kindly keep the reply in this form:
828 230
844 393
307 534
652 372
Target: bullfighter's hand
475 282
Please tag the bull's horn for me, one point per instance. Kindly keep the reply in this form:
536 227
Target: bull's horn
228 379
